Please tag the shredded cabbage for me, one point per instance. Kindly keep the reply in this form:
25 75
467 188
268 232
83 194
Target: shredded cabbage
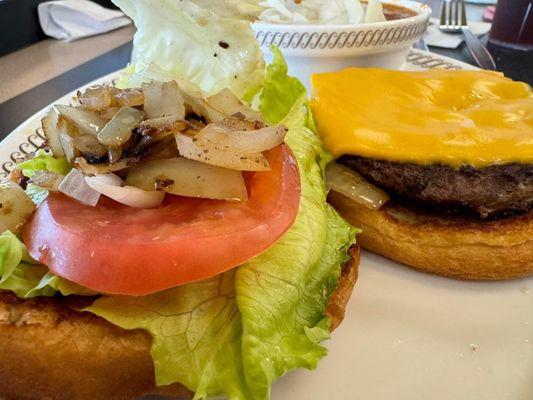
327 12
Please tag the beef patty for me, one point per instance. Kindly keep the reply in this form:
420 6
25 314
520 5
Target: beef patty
493 191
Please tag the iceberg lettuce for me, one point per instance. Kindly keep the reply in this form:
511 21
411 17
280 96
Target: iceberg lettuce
207 42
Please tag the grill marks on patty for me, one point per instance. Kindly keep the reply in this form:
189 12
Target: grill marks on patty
493 191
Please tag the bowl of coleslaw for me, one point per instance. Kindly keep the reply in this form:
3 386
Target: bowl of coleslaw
329 35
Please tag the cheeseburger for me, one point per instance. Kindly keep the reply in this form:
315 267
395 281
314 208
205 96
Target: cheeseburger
436 167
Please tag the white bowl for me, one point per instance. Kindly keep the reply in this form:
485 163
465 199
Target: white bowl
325 48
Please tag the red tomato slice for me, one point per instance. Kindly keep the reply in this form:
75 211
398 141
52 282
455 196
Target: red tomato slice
112 248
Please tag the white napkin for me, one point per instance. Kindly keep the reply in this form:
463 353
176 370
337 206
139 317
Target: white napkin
434 37
75 19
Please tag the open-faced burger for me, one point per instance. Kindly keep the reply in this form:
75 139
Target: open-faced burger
169 238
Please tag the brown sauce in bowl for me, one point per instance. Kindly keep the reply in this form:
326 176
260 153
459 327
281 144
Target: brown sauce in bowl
393 12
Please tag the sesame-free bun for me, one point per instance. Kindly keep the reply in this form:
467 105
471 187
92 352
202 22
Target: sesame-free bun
453 246
52 351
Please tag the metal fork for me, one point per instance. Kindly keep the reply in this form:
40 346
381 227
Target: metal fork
453 20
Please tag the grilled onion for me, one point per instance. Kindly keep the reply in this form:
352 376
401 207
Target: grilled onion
165 123
229 104
118 130
196 103
74 141
96 98
163 99
108 113
184 177
47 180
254 141
128 98
94 169
49 124
74 185
350 184
70 151
88 122
16 207
111 185
208 153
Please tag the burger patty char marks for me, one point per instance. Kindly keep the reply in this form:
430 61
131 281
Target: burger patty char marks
492 191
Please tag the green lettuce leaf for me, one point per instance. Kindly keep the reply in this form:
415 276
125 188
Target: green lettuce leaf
25 277
44 161
234 334
281 92
197 334
283 293
207 42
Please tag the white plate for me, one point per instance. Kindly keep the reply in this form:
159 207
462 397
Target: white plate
407 335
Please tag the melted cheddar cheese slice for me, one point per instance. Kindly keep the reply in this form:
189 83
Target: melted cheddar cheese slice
478 118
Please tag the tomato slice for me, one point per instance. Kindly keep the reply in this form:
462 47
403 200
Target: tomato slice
112 248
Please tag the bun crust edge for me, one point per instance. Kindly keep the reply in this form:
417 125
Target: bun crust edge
52 351
455 247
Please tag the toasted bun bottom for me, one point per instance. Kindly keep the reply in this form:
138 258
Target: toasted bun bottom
451 246
51 351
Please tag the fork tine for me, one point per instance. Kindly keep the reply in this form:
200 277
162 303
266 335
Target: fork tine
450 15
443 13
456 14
463 13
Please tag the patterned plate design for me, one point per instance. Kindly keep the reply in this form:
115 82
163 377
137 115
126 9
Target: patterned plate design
340 40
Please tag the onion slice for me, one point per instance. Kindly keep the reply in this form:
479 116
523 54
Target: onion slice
229 104
208 153
350 184
184 177
47 180
94 169
96 98
16 208
118 130
74 185
88 122
163 99
128 98
196 103
49 124
74 141
255 141
110 185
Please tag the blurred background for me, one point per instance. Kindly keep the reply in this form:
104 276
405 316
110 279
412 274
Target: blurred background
19 23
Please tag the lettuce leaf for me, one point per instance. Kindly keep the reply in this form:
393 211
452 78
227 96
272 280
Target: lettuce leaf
44 161
283 293
207 42
197 334
25 277
281 93
234 334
